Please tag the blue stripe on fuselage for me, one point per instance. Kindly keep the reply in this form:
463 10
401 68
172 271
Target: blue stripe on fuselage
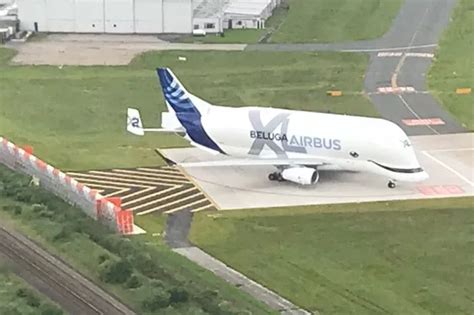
187 114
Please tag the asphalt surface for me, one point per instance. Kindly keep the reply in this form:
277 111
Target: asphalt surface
74 293
417 28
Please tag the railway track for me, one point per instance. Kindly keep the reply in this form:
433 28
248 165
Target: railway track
75 294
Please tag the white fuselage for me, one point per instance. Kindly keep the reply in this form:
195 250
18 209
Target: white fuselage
340 141
297 142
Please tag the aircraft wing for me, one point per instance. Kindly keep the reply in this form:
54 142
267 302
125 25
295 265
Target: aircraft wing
256 162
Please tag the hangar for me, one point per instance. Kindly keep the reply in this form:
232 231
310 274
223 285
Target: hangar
142 16
106 16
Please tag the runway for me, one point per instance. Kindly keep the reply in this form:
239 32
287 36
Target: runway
448 159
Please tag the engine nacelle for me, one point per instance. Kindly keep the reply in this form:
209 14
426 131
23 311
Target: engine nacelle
301 175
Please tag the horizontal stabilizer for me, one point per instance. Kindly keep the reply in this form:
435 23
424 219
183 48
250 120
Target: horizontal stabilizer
135 125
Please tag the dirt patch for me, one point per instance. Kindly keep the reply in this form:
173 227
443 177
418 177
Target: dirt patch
78 49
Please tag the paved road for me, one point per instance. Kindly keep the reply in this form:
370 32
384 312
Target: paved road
52 277
416 29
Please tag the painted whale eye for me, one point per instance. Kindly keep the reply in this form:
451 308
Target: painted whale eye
354 154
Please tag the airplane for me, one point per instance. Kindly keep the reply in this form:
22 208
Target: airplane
297 143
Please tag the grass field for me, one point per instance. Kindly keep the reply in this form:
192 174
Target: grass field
336 20
74 117
454 65
16 297
356 258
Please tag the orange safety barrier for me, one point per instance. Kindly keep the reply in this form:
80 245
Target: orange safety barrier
463 91
334 93
28 149
125 221
115 200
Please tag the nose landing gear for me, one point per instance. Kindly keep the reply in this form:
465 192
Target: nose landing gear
391 184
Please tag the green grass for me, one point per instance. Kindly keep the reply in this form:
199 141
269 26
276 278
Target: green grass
355 258
336 20
454 65
17 297
74 117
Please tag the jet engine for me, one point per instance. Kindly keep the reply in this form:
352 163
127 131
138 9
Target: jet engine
301 175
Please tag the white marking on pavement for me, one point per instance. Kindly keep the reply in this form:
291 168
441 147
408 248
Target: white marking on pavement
408 54
448 168
388 49
414 113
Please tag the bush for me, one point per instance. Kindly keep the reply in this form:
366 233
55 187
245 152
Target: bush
46 214
31 299
18 210
23 195
158 299
103 258
12 208
178 295
37 208
133 282
117 271
64 234
49 309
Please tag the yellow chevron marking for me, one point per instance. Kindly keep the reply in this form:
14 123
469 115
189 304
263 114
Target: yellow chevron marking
155 181
158 171
103 184
141 191
161 192
185 206
148 175
169 204
118 192
130 182
203 208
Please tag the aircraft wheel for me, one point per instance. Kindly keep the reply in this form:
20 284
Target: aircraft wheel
280 178
391 184
272 176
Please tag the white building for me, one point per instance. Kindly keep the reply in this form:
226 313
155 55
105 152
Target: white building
106 16
142 16
248 13
214 16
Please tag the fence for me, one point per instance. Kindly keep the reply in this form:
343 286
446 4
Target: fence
89 200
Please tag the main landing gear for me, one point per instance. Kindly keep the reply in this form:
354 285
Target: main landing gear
275 176
391 184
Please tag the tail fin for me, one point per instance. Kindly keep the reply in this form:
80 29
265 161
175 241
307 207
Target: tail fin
177 97
187 108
